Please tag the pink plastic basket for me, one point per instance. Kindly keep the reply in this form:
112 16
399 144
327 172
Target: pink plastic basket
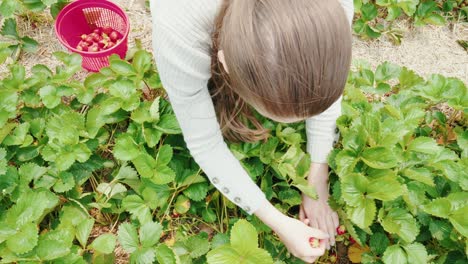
82 17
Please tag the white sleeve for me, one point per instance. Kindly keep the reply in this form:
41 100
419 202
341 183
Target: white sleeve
348 6
184 69
321 129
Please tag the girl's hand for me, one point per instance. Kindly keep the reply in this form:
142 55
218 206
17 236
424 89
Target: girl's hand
318 212
293 233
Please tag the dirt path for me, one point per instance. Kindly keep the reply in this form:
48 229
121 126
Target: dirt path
426 50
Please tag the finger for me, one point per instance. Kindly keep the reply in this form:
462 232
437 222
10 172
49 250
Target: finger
315 252
313 223
301 213
331 230
317 233
336 221
324 227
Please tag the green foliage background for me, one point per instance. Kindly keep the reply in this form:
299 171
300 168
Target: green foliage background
107 152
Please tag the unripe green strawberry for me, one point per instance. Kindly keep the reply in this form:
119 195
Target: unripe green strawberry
314 242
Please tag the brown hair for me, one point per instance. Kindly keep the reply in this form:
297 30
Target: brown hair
290 58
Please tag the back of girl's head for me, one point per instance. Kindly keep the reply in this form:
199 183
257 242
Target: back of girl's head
286 58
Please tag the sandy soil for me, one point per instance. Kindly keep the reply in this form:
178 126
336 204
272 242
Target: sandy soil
426 50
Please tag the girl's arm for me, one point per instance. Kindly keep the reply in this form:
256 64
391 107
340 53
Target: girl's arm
181 50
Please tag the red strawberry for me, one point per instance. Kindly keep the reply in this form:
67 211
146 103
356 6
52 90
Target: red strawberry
97 31
84 46
114 35
96 37
351 239
107 30
314 242
89 40
93 48
341 230
103 43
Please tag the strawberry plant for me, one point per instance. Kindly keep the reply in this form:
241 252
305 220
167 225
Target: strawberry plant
401 166
374 18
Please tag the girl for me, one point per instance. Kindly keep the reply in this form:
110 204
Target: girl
287 59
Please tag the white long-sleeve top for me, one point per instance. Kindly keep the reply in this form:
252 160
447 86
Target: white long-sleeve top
181 43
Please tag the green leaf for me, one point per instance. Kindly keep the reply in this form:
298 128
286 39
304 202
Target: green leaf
29 171
83 230
182 204
459 220
3 161
49 96
290 196
353 187
227 254
308 190
104 244
9 28
123 89
145 165
165 255
168 124
345 160
387 71
24 240
440 207
379 243
125 148
34 5
369 11
8 7
394 254
143 255
379 158
422 174
65 183
209 215
197 192
150 233
29 44
197 246
435 19
122 68
417 253
128 237
408 6
244 236
66 128
424 145
224 254
163 175
164 155
55 244
267 150
137 207
385 188
219 239
363 215
399 221
142 61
